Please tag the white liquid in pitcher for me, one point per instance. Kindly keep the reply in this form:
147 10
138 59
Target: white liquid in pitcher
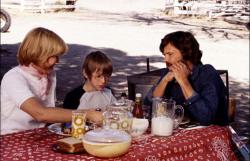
162 126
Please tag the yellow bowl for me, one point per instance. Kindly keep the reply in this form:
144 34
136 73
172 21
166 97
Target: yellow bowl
106 150
114 146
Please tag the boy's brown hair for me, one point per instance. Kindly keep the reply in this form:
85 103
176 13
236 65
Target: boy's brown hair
97 62
40 44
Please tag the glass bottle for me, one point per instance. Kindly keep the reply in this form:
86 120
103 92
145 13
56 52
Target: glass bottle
137 110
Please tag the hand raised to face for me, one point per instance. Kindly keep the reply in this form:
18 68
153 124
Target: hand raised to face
169 76
180 71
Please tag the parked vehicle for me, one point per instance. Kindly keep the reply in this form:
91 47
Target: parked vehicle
71 2
5 20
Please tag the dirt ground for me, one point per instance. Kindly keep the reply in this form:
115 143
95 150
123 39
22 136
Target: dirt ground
128 38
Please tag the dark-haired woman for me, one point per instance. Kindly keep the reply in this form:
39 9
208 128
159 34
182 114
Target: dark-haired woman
195 86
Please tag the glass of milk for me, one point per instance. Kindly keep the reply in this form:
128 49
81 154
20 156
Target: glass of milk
165 117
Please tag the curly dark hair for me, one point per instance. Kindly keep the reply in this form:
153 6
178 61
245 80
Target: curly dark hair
186 43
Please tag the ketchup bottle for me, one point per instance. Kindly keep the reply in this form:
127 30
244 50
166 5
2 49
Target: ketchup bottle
137 110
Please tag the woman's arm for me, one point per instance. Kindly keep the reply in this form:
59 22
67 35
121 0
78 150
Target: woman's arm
45 114
203 105
208 105
181 73
52 115
160 88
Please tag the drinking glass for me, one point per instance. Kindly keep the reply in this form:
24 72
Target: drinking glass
78 123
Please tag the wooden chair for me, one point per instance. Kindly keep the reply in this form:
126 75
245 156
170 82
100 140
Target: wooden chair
231 101
140 83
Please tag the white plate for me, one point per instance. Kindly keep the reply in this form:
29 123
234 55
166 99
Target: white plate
56 128
185 121
195 127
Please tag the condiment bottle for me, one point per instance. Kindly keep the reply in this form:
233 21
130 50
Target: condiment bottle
137 110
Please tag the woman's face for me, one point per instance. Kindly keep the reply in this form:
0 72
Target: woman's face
171 55
98 81
47 66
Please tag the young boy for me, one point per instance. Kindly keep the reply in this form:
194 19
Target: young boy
93 94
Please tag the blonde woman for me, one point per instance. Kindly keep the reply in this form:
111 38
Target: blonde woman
28 90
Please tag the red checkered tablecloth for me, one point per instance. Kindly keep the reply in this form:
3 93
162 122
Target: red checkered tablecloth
210 143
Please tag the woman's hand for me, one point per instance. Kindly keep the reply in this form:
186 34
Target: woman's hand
159 89
180 72
95 117
168 77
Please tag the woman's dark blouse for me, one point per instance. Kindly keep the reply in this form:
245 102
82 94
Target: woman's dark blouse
209 104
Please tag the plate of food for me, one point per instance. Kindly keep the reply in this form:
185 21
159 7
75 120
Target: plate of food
59 129
185 121
65 128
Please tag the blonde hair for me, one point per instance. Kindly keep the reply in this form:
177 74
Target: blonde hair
40 44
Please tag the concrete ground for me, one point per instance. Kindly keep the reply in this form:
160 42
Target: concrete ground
129 34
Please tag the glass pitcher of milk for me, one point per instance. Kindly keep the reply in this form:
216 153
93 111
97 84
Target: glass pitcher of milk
166 116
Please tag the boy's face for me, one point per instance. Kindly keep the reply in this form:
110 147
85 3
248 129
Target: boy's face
98 81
